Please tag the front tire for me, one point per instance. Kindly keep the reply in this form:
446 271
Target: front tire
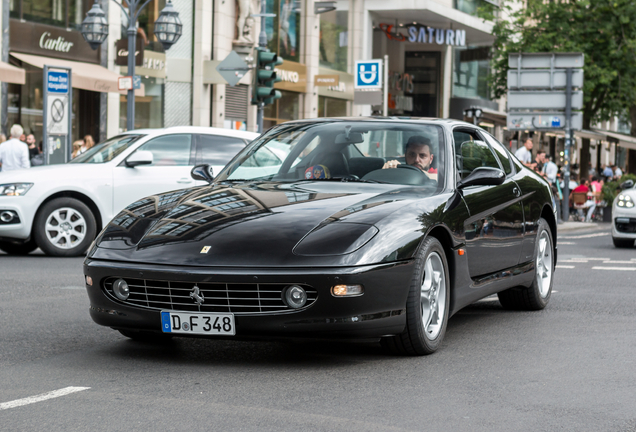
428 303
64 227
618 242
18 248
537 295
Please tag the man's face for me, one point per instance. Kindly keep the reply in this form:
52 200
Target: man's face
30 139
541 157
419 155
528 144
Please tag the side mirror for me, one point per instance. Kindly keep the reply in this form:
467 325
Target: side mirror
141 157
202 172
627 184
483 176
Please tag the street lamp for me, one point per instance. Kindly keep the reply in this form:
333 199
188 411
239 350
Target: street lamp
474 113
168 29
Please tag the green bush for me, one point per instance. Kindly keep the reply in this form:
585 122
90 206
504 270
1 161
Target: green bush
610 189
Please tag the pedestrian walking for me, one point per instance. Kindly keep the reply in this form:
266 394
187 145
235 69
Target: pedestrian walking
14 154
539 161
550 169
618 172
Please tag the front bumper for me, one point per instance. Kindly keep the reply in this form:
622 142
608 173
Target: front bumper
623 223
25 208
380 311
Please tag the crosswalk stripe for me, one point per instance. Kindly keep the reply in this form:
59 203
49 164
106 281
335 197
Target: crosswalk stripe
42 397
614 268
565 266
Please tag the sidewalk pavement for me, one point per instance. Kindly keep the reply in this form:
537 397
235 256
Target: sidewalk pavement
577 226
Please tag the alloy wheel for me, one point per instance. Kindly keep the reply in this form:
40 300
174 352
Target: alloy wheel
433 296
544 264
65 228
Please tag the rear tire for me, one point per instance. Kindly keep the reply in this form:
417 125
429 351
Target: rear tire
64 227
537 295
619 243
427 305
18 248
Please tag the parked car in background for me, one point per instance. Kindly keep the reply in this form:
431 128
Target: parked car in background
314 230
624 216
61 208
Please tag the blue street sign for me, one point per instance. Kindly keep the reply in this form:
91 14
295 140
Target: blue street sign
368 74
136 82
57 82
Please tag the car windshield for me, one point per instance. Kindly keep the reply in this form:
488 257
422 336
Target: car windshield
364 151
107 150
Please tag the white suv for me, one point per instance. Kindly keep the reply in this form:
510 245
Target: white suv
61 208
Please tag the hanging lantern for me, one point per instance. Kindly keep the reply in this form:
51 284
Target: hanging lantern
95 27
168 26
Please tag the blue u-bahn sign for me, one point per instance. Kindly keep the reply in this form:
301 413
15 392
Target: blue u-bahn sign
368 74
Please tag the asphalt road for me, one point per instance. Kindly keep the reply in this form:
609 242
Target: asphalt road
570 367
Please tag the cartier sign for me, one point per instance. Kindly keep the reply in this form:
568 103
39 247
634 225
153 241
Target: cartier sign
50 41
122 52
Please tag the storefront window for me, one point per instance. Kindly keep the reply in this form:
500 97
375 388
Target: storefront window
467 6
284 109
331 107
62 13
470 73
148 108
283 31
334 39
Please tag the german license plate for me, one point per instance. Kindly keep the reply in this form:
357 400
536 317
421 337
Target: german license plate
198 323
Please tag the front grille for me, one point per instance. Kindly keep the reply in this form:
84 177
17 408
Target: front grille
626 225
249 298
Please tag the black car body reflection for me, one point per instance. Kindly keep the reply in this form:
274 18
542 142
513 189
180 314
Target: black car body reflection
382 253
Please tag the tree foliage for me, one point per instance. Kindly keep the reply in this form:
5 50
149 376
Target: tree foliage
604 30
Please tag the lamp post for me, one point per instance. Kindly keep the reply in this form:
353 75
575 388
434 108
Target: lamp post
474 113
168 29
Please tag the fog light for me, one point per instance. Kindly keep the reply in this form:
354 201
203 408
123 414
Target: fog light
347 290
120 289
6 216
89 281
295 296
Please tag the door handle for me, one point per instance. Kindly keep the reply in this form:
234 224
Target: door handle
184 180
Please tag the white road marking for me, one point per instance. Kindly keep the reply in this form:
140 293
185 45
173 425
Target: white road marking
42 397
614 268
566 243
584 236
619 262
565 266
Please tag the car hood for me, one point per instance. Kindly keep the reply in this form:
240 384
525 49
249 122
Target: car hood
264 224
72 171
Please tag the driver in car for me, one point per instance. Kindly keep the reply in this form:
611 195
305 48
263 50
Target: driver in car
418 154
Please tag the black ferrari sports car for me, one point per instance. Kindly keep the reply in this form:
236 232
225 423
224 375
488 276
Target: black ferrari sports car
375 228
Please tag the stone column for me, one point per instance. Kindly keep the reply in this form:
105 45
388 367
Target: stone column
311 58
4 56
204 15
112 100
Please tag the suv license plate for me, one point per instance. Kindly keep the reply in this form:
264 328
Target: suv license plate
198 323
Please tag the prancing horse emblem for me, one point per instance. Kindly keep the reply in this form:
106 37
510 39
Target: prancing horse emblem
197 296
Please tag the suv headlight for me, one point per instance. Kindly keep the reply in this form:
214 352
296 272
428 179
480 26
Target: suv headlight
14 189
625 201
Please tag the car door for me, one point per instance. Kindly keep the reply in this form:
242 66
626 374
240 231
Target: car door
170 170
216 151
494 228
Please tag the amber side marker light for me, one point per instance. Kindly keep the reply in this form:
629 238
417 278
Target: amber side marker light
347 290
461 252
89 281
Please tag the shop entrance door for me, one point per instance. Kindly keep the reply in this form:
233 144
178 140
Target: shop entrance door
424 67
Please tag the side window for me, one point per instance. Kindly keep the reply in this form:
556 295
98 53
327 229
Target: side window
169 150
504 157
217 150
475 154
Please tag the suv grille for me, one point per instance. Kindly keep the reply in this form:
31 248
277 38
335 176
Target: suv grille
249 298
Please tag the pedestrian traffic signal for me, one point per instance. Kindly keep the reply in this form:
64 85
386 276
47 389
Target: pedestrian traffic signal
265 77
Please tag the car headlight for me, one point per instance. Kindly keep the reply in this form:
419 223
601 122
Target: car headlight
625 201
14 189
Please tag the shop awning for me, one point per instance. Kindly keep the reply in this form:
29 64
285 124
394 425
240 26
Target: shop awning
626 141
11 74
85 76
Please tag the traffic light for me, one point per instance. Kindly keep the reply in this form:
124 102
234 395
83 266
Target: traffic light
265 77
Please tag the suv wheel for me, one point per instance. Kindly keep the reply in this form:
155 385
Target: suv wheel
64 227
